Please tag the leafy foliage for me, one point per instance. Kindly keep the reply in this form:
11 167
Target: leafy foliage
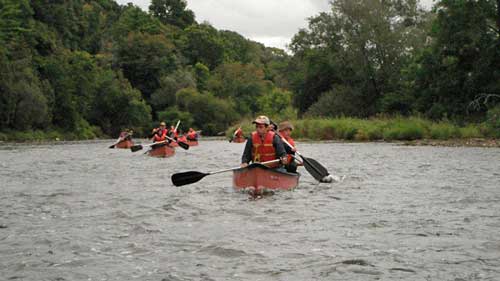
81 68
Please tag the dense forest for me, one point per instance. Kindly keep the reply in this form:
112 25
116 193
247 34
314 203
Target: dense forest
89 68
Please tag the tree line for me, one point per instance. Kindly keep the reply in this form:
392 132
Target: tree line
94 67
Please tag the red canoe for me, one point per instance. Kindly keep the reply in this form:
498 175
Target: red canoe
239 140
262 178
162 151
192 143
124 144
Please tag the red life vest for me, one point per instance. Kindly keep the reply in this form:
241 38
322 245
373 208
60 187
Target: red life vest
160 135
263 150
192 135
182 139
238 133
290 141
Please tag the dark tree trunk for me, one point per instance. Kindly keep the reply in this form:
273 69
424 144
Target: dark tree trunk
498 17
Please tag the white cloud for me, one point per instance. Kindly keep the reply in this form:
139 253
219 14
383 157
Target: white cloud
271 22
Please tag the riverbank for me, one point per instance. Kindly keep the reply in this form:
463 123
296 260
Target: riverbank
411 131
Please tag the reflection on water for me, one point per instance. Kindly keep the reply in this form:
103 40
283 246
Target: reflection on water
85 212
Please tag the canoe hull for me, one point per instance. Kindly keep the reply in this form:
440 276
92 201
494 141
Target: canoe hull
261 178
192 143
239 140
162 151
124 144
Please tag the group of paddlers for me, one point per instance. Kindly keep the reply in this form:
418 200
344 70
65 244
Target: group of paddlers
162 134
269 142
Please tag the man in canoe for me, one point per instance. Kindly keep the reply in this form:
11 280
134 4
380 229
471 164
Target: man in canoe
126 135
238 134
263 145
173 133
285 129
192 135
160 134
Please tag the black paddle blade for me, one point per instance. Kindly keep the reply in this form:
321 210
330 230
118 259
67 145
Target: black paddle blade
183 145
318 166
112 146
135 148
315 169
187 177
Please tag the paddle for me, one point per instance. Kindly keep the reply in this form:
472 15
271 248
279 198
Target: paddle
120 139
181 144
138 147
184 178
318 171
234 135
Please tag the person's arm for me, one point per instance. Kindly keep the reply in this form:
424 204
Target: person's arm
280 149
288 149
247 153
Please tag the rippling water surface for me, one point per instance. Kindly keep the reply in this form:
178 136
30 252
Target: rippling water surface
85 212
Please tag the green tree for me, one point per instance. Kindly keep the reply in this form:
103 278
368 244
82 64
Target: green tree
210 114
172 12
117 105
164 96
202 43
461 60
360 44
144 59
23 104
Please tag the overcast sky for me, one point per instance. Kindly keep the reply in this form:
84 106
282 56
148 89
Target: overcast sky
271 22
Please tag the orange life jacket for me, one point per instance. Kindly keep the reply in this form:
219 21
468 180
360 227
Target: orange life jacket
238 133
182 139
290 141
263 150
160 135
192 135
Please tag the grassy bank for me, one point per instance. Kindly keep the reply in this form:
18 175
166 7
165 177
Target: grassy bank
51 135
382 129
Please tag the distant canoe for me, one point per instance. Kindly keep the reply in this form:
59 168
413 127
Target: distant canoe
124 144
239 140
192 143
262 178
162 151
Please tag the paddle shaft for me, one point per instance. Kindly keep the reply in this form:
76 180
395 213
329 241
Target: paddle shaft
177 125
232 169
120 139
305 161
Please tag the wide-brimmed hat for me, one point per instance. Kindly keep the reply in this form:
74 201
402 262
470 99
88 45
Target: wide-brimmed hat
262 120
285 125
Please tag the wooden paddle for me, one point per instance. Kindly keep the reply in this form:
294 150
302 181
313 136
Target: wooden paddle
120 139
234 135
318 171
184 178
138 147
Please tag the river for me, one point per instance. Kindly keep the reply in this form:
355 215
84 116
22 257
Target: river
81 211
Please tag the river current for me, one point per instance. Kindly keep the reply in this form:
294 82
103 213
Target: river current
81 211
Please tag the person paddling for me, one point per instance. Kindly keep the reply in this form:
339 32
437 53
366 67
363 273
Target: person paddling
173 132
126 135
285 129
192 135
160 134
263 145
